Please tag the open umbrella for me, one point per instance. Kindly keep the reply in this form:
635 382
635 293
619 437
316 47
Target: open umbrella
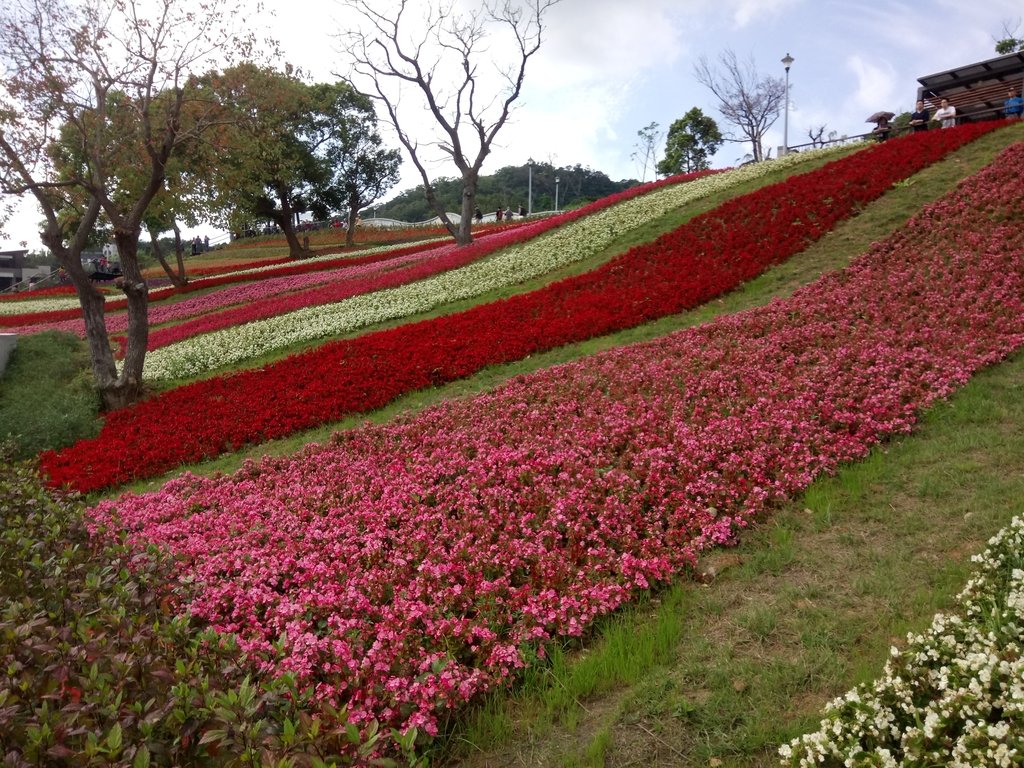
880 116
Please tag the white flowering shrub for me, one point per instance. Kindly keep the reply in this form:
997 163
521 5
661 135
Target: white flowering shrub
953 697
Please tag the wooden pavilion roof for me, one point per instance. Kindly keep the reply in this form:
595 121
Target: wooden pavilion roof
976 90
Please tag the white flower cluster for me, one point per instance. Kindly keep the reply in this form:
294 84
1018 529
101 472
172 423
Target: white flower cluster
45 304
566 245
954 696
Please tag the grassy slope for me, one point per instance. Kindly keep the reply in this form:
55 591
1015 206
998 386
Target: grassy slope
62 410
810 603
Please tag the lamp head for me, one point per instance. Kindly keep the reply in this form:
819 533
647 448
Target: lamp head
787 61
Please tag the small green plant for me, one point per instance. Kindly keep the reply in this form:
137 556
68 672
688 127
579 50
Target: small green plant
98 668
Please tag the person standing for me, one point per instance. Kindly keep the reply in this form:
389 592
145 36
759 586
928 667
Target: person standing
946 114
919 118
1013 107
882 128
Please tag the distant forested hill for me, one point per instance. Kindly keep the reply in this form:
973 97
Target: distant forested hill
509 187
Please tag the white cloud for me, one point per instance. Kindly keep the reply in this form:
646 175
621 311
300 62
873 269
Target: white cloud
877 85
746 12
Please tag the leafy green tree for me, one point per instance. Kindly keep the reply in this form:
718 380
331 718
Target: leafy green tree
263 166
91 113
185 199
691 142
288 147
1009 43
342 131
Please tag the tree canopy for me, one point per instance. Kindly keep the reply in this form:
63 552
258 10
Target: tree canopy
691 142
286 148
1009 42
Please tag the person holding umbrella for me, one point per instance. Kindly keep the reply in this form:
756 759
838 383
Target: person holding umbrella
882 127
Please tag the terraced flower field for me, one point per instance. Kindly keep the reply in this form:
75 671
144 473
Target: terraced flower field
402 571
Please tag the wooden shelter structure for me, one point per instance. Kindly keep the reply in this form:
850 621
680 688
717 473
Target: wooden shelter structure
976 90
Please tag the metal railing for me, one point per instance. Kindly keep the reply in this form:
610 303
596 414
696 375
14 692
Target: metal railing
29 283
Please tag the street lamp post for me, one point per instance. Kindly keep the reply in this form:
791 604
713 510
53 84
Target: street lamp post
786 62
556 194
529 188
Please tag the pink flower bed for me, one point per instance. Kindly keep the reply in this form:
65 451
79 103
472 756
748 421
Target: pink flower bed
402 569
711 254
255 290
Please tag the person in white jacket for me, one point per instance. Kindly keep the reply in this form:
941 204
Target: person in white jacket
946 114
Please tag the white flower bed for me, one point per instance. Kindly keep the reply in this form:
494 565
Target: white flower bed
567 245
954 697
47 304
50 304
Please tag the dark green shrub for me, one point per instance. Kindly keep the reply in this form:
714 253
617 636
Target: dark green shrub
97 668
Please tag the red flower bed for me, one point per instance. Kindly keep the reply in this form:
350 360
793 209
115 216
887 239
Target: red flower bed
711 254
35 293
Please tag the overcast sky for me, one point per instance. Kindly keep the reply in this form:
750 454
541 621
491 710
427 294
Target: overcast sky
608 68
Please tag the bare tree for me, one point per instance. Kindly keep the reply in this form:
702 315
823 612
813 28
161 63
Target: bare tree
1009 42
646 150
95 103
815 135
749 101
438 56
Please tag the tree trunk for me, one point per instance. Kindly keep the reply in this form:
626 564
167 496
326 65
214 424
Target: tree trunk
295 249
464 236
112 391
101 356
179 254
178 278
128 386
442 214
283 218
354 204
69 256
